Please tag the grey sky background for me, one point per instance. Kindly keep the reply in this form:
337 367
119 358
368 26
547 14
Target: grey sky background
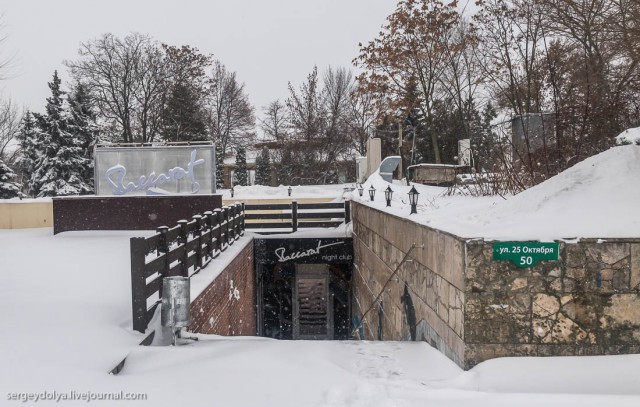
267 43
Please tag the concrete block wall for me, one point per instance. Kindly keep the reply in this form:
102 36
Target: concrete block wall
27 213
228 305
452 293
425 300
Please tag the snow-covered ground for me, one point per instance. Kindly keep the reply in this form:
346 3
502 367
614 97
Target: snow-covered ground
66 321
65 316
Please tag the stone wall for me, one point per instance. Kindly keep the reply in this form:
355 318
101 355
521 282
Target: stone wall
585 304
228 305
424 300
452 293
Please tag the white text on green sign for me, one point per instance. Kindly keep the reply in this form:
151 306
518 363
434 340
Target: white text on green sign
526 254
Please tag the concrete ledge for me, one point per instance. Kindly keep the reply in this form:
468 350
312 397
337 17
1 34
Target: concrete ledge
28 213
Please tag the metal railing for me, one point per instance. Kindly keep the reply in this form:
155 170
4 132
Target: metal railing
182 250
273 218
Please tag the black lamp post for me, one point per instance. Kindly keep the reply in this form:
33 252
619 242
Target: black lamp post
231 192
289 190
360 190
372 192
413 199
388 193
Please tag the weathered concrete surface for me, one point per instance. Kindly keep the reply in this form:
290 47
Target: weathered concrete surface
452 293
424 299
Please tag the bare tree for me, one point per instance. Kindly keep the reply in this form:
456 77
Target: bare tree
10 118
5 60
274 123
409 57
124 78
306 109
361 119
231 115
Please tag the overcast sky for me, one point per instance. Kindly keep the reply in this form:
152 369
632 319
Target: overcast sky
267 43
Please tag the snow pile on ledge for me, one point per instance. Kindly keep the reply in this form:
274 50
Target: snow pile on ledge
629 136
596 198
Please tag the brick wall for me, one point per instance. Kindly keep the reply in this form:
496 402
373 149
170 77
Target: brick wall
228 305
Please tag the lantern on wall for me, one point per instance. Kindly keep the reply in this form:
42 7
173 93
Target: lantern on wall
289 190
388 194
360 190
413 199
372 193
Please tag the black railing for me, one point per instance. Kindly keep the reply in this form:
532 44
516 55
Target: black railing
294 216
182 250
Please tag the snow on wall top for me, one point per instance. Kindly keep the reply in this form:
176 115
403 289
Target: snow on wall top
596 198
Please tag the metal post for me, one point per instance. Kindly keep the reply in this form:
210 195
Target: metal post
138 283
347 211
163 248
217 215
232 225
182 239
294 215
242 224
197 232
225 221
209 226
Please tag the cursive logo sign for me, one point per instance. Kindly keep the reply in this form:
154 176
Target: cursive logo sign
282 257
115 176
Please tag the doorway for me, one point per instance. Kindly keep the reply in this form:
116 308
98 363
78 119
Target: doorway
312 305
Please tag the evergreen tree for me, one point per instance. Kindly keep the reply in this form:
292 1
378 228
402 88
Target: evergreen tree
60 169
263 168
8 187
30 150
82 125
484 140
219 166
285 167
183 117
241 175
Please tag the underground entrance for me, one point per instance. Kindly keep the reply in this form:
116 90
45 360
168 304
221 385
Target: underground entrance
303 287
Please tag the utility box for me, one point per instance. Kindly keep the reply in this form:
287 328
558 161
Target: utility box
176 300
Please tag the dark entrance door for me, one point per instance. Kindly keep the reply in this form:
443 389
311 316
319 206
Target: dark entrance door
304 287
312 308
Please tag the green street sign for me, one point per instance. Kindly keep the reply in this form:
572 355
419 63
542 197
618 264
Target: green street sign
526 254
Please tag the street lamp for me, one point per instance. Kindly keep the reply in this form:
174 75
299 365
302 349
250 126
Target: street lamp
388 193
372 192
413 200
360 190
289 190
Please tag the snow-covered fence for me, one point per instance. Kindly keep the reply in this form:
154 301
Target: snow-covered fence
182 250
296 215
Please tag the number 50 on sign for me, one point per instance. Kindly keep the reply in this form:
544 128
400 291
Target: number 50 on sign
526 254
